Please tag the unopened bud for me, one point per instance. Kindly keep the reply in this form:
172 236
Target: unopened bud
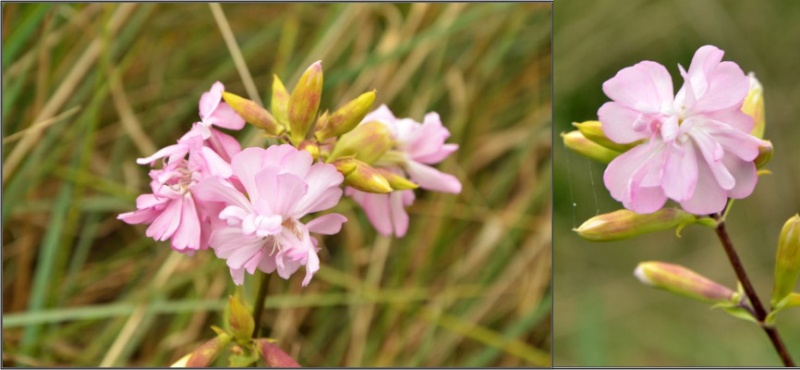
345 166
311 147
682 281
366 178
396 181
274 356
253 113
241 322
279 105
367 142
593 130
578 143
347 117
787 261
304 102
208 351
753 106
624 224
765 153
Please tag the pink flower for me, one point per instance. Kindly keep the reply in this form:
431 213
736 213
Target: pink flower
262 228
215 112
172 210
418 145
697 149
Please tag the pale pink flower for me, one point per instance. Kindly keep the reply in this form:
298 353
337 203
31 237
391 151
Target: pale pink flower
172 210
215 112
417 145
697 149
262 227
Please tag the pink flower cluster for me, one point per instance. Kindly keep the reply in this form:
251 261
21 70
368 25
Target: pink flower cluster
251 206
417 146
245 204
696 145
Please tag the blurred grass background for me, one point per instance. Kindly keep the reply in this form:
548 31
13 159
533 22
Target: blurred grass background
603 315
88 88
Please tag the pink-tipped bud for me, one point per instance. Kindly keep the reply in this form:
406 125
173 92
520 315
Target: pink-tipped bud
682 281
753 106
304 102
578 143
345 166
347 117
274 356
367 143
253 113
787 261
593 130
625 224
240 320
208 351
279 105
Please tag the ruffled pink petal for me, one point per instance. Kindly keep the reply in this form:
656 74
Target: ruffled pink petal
176 150
399 215
224 116
432 179
297 162
287 193
624 175
680 172
326 224
167 222
216 166
377 209
210 100
735 118
704 61
708 196
624 125
238 276
142 216
727 88
713 153
645 87
323 189
312 266
745 174
229 144
738 143
246 164
382 114
187 236
438 156
215 189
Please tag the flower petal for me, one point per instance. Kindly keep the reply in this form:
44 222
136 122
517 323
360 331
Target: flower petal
645 87
624 125
708 196
326 224
432 179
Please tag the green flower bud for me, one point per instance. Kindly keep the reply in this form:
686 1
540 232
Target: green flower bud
345 166
208 351
280 102
787 262
253 113
367 143
241 322
765 153
304 102
366 178
753 106
593 130
347 117
624 224
397 182
274 356
578 143
682 281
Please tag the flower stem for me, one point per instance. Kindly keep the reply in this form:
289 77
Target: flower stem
758 308
261 298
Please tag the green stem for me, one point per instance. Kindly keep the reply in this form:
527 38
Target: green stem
259 305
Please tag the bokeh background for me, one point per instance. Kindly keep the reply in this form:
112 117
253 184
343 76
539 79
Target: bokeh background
89 88
603 315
